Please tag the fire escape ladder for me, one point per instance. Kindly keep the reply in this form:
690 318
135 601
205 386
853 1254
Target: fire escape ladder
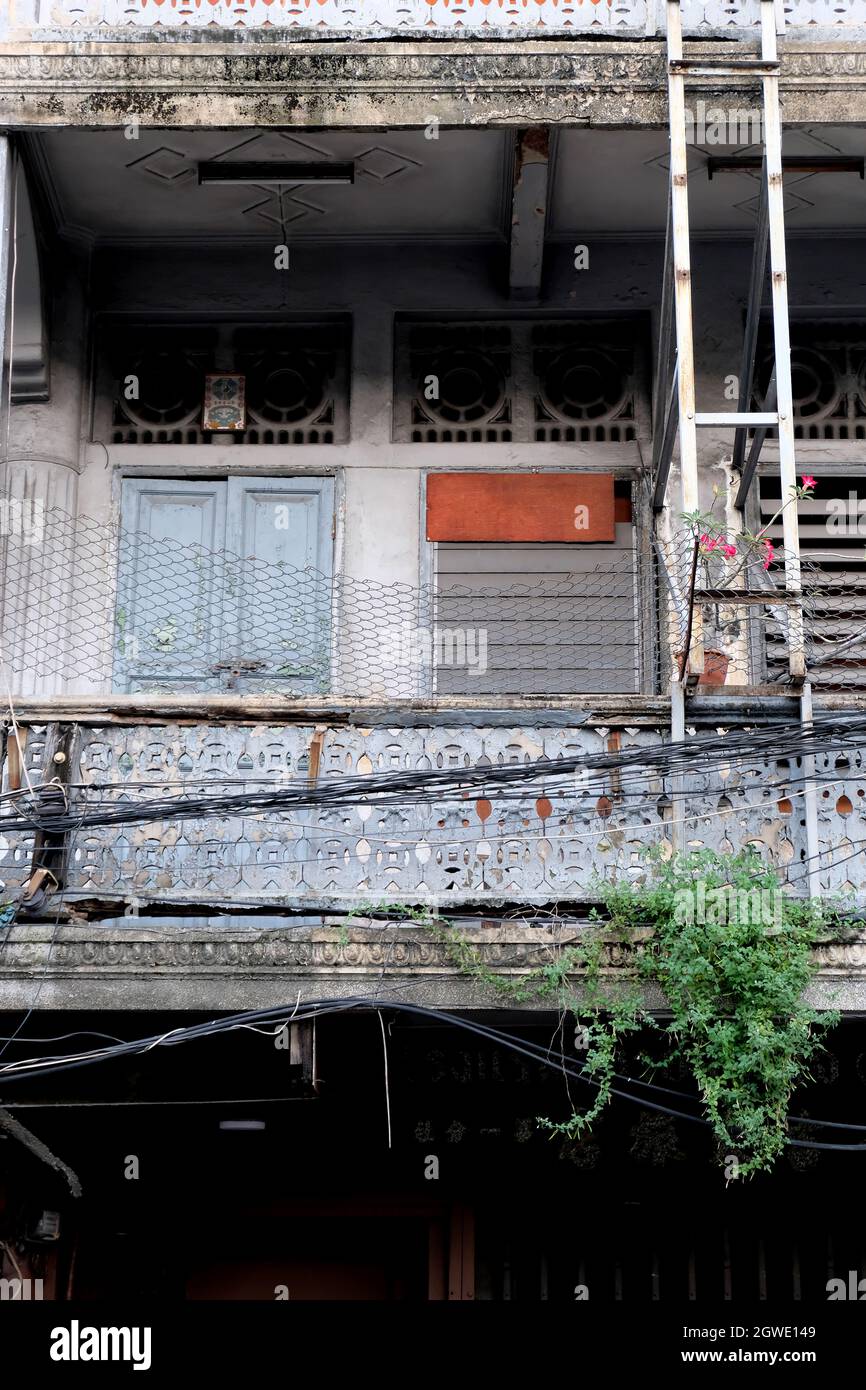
675 414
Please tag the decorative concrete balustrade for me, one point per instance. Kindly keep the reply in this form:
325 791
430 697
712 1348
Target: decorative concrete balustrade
542 842
626 18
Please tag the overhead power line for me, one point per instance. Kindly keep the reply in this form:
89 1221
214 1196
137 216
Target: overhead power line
544 1055
57 810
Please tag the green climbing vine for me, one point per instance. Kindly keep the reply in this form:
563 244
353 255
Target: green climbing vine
731 953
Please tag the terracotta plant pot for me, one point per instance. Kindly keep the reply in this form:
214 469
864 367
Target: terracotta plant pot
715 668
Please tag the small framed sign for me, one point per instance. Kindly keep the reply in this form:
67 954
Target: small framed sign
224 402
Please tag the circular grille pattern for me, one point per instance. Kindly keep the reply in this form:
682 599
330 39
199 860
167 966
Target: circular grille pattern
168 392
583 384
285 391
470 386
814 383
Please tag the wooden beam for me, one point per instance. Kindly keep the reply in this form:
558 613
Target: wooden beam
529 196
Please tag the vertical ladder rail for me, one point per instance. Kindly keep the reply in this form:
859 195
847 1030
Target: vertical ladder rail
773 20
683 383
782 341
770 231
682 276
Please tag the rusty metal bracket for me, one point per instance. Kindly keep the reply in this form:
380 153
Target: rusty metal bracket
316 743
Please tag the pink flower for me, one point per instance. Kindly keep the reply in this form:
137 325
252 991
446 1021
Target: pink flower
730 550
808 480
708 542
770 555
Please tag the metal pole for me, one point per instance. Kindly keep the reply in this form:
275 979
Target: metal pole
678 735
683 282
810 799
782 340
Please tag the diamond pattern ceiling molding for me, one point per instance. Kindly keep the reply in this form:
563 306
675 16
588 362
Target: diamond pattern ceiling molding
382 165
809 17
114 190
585 202
171 166
376 163
164 164
282 212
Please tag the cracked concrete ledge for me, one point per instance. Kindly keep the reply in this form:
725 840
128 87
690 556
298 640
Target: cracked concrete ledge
517 82
176 967
736 704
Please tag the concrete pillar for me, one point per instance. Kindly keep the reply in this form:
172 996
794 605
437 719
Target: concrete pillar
40 451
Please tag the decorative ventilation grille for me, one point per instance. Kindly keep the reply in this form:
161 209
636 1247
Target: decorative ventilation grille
585 383
521 379
460 382
152 382
828 375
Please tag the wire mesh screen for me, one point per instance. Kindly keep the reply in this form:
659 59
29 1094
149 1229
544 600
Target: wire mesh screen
90 608
729 600
93 608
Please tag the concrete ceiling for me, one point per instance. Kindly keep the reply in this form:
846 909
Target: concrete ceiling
617 181
119 190
115 190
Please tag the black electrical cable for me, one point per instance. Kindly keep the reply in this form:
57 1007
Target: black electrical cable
386 788
536 1052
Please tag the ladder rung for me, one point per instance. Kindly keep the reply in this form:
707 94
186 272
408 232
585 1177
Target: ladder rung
722 67
737 418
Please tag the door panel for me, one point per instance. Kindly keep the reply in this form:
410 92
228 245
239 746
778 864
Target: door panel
168 615
224 585
278 614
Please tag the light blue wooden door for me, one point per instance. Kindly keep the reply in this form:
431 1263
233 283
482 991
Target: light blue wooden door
277 616
224 585
168 618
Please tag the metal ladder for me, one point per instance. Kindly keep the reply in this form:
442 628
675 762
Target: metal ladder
674 406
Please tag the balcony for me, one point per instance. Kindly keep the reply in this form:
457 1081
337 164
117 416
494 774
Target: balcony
484 843
804 19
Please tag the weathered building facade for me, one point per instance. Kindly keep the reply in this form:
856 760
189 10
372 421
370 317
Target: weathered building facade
337 429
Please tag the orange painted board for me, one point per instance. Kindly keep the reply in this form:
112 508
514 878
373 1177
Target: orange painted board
520 507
